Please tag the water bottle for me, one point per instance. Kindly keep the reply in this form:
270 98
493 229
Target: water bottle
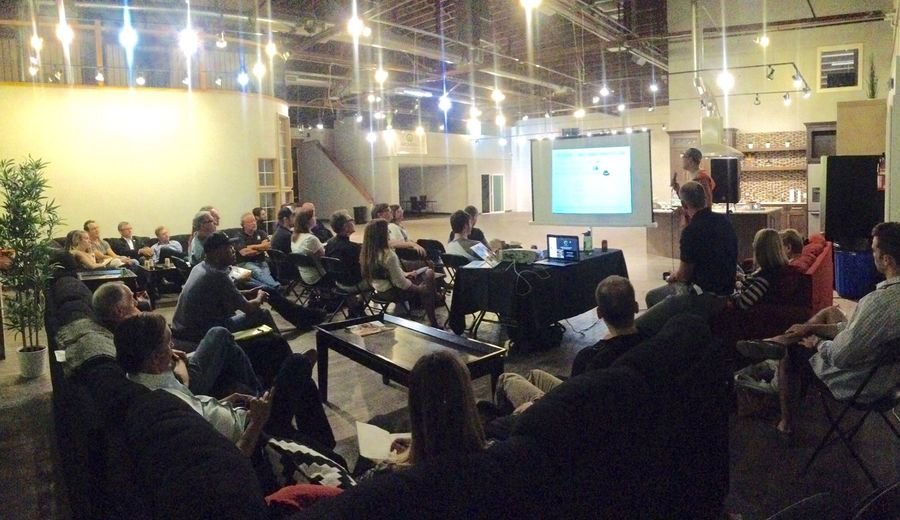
588 242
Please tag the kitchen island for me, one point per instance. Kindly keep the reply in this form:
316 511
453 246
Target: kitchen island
663 240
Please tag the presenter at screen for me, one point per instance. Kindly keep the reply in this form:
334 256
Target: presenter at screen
690 161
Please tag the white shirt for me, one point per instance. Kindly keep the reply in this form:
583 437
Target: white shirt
396 278
462 247
308 244
397 232
227 420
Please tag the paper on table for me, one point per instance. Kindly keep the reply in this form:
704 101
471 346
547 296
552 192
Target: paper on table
375 443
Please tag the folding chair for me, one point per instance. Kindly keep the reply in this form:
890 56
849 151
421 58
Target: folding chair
821 506
312 292
451 264
433 249
882 406
336 270
285 272
884 503
380 301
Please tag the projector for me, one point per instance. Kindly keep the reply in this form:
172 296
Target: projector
570 132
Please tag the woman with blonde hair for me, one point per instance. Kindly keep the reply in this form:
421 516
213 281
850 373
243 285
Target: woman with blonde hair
770 261
78 244
443 417
381 268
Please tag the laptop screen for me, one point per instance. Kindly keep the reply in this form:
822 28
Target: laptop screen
562 247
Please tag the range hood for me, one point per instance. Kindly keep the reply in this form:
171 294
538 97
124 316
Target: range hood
712 133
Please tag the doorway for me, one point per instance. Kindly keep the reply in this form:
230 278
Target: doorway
492 193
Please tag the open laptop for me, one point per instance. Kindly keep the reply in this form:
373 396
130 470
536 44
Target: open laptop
561 250
488 258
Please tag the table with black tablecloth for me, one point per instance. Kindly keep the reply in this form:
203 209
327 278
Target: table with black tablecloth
533 296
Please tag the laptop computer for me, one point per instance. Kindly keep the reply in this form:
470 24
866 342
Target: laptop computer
488 258
561 250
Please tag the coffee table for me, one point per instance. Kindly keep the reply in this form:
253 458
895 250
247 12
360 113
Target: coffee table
94 279
393 353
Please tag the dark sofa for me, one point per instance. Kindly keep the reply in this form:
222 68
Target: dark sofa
128 452
647 438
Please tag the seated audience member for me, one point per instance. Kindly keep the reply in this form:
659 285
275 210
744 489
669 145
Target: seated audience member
347 252
383 211
381 269
306 243
772 281
396 231
251 244
290 412
101 248
443 418
78 244
474 233
164 247
616 306
460 243
217 367
793 243
209 298
261 217
204 225
321 232
126 245
839 353
708 251
213 212
281 239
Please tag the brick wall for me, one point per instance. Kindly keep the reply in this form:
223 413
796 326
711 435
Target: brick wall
778 150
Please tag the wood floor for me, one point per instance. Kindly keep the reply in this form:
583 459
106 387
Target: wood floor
764 471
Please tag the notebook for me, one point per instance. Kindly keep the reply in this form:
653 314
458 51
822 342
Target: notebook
561 250
489 259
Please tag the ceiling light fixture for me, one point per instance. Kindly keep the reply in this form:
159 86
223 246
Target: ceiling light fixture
220 41
320 126
381 76
37 43
99 77
271 49
371 137
128 38
798 81
140 80
243 78
65 34
579 113
654 87
525 117
444 103
595 99
370 98
379 115
474 127
628 130
787 99
651 108
359 118
218 81
762 40
259 70
500 120
188 41
770 73
604 91
806 92
530 4
502 141
725 81
420 130
756 100
355 26
620 107
497 95
474 112
32 71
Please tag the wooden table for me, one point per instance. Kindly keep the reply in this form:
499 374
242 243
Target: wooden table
393 353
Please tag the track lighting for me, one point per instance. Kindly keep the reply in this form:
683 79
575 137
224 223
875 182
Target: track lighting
756 100
770 73
787 99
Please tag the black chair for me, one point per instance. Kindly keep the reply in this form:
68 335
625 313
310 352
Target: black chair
336 270
884 503
380 301
408 255
319 294
821 506
433 251
451 264
285 272
882 406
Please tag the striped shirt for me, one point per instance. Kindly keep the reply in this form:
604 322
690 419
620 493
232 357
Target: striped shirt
844 362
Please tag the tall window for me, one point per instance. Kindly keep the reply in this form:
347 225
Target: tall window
275 177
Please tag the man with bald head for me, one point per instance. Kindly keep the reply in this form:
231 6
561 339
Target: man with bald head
321 232
251 244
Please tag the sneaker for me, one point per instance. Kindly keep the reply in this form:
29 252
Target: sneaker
760 349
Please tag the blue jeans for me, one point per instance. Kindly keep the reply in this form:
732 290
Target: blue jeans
260 273
219 366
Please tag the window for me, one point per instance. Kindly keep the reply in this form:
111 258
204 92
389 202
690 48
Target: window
839 67
266 171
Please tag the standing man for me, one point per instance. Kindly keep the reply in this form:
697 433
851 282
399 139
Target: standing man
281 239
251 244
127 245
708 251
690 161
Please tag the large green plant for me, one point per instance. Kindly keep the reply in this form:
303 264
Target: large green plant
26 229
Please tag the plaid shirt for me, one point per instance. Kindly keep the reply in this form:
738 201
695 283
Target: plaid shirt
843 363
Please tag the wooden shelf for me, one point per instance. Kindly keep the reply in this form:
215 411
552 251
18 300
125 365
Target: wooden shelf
773 168
774 149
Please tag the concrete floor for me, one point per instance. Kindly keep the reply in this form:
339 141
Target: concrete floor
764 471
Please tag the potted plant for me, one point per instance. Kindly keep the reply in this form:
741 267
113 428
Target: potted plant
26 230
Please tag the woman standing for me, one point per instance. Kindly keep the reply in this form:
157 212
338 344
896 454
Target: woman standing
381 268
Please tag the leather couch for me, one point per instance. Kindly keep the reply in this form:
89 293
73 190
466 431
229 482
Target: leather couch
646 438
807 290
128 452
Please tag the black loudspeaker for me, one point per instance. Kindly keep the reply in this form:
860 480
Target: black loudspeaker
726 173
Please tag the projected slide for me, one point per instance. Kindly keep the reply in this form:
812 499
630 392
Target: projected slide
591 180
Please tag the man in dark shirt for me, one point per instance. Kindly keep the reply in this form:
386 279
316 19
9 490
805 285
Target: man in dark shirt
281 239
128 245
708 251
616 306
340 247
251 244
321 232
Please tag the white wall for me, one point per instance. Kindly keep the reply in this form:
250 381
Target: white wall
798 46
322 183
377 165
445 185
149 156
537 128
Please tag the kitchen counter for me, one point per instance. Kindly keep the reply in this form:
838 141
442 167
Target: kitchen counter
663 240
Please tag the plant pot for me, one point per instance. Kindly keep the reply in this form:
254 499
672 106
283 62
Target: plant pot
31 362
